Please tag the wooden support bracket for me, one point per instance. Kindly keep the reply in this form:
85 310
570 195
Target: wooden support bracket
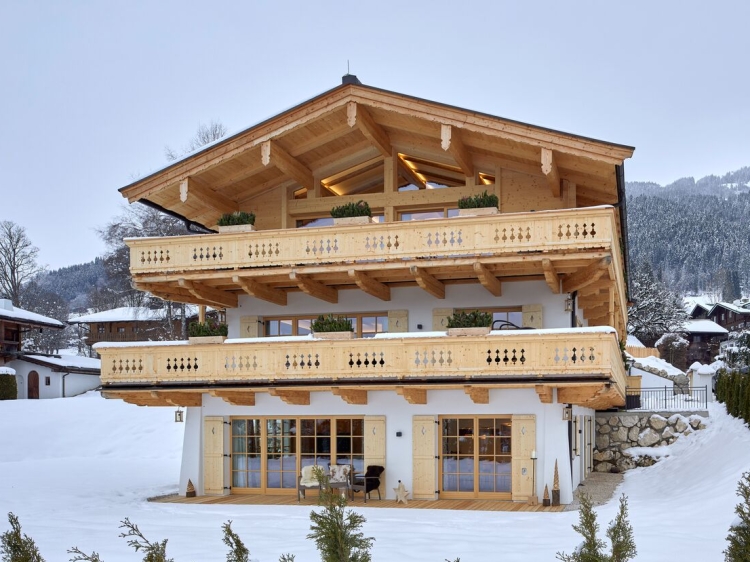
191 188
451 142
586 276
371 286
261 291
478 394
292 397
544 392
488 280
359 116
206 293
184 399
272 153
351 395
413 395
550 275
235 397
549 169
429 283
314 288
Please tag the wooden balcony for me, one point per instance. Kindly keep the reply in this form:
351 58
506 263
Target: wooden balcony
583 364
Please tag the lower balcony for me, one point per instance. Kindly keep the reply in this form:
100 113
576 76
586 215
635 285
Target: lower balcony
584 365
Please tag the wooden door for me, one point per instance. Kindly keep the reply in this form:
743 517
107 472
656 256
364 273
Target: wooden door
523 443
424 459
375 446
33 385
213 455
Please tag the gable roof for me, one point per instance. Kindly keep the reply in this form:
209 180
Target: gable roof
704 327
730 306
128 314
65 363
20 316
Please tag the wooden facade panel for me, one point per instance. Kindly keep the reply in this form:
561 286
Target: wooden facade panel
522 193
398 321
375 436
523 441
424 457
213 455
532 316
440 318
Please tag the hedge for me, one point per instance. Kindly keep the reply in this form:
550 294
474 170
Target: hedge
733 389
8 387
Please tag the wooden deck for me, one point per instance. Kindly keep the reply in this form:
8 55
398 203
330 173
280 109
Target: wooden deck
465 505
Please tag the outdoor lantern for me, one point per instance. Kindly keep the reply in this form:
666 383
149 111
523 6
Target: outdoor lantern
568 303
568 413
178 418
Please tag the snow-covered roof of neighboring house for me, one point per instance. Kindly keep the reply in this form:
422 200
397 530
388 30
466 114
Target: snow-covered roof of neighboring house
21 316
128 314
700 301
632 341
731 306
67 363
659 364
704 327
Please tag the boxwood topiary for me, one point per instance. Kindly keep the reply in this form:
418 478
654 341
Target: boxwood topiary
8 387
473 319
332 323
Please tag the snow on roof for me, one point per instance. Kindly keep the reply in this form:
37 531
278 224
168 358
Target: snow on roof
660 364
128 314
706 370
632 341
10 312
732 307
703 327
7 371
699 300
66 361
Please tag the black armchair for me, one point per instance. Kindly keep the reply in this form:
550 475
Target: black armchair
367 482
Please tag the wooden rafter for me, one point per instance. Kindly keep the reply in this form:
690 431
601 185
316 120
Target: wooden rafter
586 276
544 392
292 397
261 291
451 142
478 394
595 312
549 169
272 153
190 188
185 399
235 397
314 288
206 293
578 395
169 293
371 286
488 280
351 395
594 288
550 275
413 395
410 174
429 283
359 116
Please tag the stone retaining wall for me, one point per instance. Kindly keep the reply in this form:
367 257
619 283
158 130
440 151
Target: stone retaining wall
616 432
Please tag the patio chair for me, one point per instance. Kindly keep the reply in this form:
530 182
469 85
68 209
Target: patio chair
307 481
367 482
339 477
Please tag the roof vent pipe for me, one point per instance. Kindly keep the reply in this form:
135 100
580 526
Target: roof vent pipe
350 79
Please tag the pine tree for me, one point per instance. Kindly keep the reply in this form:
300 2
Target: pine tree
590 550
15 547
739 533
154 551
238 552
620 534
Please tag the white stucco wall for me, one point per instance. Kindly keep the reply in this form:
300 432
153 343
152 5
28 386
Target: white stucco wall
75 383
551 430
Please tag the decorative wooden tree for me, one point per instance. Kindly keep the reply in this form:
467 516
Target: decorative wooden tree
545 499
556 488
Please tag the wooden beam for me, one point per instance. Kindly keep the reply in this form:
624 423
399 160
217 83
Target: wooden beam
578 395
478 394
594 288
190 188
314 288
261 291
293 397
549 169
412 395
488 280
586 276
206 293
451 142
595 312
429 283
185 399
235 397
550 275
351 395
140 398
544 392
410 174
371 286
272 153
359 116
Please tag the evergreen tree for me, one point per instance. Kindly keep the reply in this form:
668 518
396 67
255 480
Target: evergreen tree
620 534
238 552
739 533
17 547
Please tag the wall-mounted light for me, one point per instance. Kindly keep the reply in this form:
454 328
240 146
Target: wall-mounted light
568 303
178 416
568 413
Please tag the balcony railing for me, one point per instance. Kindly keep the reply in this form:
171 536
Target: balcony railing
666 398
524 354
544 231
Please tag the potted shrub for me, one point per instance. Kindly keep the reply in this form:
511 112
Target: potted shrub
332 328
352 213
474 205
239 221
207 332
474 323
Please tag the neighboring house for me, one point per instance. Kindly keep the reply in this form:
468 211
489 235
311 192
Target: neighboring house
732 316
59 376
473 416
704 337
14 322
697 307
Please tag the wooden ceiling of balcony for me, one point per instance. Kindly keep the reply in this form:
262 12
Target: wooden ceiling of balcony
337 144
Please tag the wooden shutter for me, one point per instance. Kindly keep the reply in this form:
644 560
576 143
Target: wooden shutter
588 445
424 463
249 327
213 455
398 321
440 318
375 446
532 316
523 442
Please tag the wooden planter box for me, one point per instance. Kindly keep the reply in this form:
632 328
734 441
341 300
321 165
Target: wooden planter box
479 331
237 228
478 212
353 220
207 339
334 335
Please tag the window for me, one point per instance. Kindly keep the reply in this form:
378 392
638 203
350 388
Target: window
508 314
47 381
365 324
100 329
121 330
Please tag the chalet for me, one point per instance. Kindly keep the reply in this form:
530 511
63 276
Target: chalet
704 337
55 376
733 316
451 416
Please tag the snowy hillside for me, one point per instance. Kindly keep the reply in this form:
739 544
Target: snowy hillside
72 469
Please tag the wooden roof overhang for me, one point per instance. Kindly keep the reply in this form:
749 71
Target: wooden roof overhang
337 142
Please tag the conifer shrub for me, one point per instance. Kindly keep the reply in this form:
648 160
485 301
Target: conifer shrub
472 319
18 547
738 549
238 217
358 209
208 328
478 201
332 323
8 387
733 389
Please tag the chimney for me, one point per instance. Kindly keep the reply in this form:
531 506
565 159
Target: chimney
350 79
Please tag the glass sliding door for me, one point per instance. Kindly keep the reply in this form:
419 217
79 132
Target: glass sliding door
246 453
281 453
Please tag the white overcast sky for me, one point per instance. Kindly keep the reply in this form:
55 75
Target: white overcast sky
92 91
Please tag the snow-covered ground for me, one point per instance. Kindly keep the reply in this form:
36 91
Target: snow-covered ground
73 468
